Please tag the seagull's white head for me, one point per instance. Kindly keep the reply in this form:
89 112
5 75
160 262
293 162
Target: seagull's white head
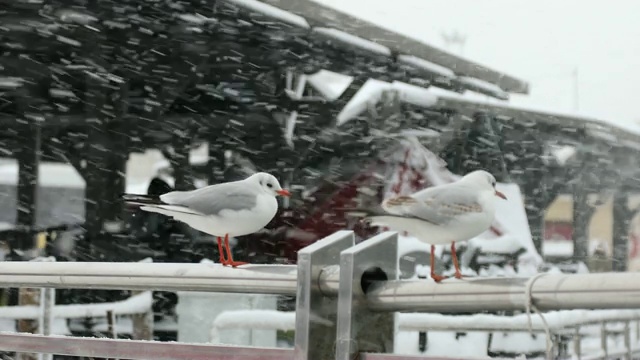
268 183
482 180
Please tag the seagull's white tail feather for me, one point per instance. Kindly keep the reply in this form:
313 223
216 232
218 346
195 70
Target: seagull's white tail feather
172 197
190 217
170 210
381 220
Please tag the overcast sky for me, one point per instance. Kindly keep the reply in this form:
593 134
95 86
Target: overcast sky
540 41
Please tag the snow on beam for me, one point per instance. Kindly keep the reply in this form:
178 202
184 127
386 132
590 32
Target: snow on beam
135 349
483 87
272 11
265 279
548 292
426 65
353 40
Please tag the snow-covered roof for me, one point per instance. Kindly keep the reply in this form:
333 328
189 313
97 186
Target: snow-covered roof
370 37
624 134
397 43
627 135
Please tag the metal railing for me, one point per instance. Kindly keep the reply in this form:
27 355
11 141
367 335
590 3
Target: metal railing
355 285
562 325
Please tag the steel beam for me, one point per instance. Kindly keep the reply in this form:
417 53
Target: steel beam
549 292
265 279
360 329
134 349
316 311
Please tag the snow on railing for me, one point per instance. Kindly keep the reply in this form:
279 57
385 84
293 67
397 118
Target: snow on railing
136 304
558 322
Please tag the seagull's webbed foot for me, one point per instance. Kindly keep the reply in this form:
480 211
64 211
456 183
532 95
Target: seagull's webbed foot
437 278
456 265
229 261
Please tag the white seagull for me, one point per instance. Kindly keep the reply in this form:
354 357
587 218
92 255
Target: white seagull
444 214
229 209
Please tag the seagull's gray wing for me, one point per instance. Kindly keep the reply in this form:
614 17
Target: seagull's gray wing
211 200
440 206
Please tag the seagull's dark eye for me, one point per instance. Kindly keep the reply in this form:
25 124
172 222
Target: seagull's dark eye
270 185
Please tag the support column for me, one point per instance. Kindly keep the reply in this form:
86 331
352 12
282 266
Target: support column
621 219
582 213
28 158
535 217
180 160
95 152
117 140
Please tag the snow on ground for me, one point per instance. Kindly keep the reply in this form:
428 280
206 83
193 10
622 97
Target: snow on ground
559 248
50 174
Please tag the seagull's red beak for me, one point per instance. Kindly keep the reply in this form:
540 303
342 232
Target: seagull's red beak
499 194
283 192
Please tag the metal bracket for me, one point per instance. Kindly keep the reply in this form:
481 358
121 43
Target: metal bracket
315 312
360 329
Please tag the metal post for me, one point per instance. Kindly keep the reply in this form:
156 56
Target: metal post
603 339
360 329
316 312
142 324
577 346
45 319
627 340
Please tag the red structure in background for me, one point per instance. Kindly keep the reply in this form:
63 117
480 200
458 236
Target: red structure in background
558 230
404 170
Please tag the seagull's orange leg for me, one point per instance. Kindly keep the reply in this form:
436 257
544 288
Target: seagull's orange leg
223 261
458 275
229 256
437 278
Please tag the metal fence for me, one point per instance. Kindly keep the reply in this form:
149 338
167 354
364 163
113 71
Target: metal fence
353 288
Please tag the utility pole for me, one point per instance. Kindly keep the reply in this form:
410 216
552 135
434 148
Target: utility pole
454 38
576 92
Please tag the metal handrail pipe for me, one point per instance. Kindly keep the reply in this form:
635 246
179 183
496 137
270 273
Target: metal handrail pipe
261 279
548 292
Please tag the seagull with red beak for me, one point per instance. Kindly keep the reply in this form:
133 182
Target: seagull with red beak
229 209
444 214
